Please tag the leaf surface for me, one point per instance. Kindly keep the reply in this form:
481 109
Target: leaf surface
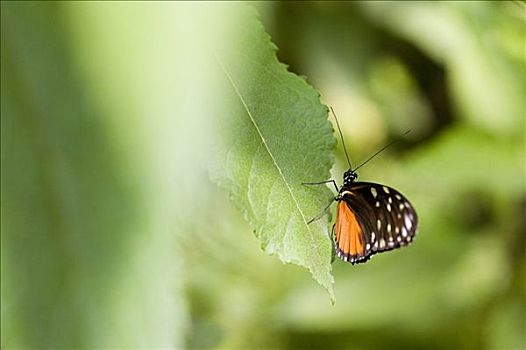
274 135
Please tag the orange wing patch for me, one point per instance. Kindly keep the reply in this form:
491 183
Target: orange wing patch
348 234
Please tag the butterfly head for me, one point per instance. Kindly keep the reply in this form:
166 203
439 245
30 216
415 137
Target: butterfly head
349 177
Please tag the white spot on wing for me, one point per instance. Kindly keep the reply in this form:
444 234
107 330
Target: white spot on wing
386 190
377 204
390 200
382 243
367 246
404 232
398 196
373 192
373 236
388 227
388 207
408 222
400 206
378 224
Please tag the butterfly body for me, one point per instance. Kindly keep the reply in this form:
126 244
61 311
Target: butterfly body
371 218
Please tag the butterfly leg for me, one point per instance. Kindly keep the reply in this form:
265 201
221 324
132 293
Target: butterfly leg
333 245
321 183
320 215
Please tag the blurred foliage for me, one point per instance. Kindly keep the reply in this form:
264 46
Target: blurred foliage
113 236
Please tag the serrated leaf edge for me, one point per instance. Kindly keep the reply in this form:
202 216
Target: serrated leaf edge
238 93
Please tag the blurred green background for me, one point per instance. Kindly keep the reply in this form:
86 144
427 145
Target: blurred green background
114 237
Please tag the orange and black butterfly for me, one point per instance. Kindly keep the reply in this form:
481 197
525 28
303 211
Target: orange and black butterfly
371 218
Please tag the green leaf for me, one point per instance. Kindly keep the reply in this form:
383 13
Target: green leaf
276 135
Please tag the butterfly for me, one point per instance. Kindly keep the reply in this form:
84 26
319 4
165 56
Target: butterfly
371 218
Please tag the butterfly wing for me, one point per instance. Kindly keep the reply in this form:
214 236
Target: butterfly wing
372 218
349 234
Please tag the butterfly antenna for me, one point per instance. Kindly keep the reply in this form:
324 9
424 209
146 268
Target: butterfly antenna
341 136
382 149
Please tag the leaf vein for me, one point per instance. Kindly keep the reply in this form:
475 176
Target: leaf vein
264 141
